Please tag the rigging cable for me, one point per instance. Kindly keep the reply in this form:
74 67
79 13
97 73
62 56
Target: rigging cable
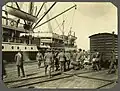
73 18
71 22
59 25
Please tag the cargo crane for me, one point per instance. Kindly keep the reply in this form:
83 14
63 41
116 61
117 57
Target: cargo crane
17 35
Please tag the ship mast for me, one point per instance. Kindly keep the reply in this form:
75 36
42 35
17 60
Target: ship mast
31 7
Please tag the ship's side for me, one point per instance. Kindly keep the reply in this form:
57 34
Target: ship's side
12 42
18 36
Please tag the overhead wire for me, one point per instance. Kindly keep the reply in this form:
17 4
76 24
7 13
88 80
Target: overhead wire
65 20
71 22
60 25
57 27
73 18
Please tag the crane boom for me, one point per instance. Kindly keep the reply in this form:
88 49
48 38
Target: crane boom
44 14
55 16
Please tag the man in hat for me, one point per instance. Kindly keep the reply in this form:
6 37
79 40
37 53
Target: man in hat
61 57
56 60
48 62
68 58
74 63
53 61
96 57
112 66
39 58
74 55
19 63
80 58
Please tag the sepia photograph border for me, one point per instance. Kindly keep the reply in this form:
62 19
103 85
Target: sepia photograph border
115 2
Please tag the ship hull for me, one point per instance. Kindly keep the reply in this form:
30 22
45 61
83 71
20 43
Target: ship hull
9 51
28 56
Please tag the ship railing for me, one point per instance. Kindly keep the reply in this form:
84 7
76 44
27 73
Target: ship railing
18 44
14 39
17 40
11 22
13 43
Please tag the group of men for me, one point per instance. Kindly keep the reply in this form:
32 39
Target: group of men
55 60
63 60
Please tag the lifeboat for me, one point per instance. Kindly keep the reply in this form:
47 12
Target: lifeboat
21 14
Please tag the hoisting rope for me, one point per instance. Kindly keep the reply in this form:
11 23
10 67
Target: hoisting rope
59 24
73 18
71 22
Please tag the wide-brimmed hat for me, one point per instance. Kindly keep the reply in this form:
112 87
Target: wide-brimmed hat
74 50
56 50
66 50
80 49
49 50
61 50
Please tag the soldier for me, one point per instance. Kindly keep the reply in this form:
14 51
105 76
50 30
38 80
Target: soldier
19 63
112 63
80 58
74 55
53 61
74 63
39 58
84 54
96 60
56 60
4 75
61 57
48 62
68 58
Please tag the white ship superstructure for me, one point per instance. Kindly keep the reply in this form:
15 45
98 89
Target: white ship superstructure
17 35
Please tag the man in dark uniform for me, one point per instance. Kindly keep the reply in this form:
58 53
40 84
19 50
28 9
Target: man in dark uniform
19 63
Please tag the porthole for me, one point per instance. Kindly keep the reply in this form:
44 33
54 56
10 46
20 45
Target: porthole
17 47
31 47
12 47
2 47
25 47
